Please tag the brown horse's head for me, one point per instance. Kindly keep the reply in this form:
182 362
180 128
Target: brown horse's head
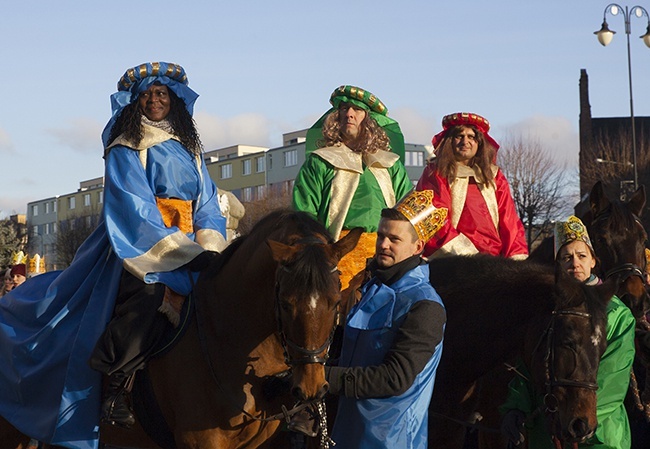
565 359
308 293
619 240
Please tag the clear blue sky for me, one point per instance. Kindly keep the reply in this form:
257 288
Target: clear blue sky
263 68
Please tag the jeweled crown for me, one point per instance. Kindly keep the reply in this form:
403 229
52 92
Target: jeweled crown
418 208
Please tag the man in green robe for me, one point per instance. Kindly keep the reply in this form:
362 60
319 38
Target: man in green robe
350 173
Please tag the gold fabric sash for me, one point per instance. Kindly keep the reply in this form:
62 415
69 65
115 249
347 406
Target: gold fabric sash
355 261
176 212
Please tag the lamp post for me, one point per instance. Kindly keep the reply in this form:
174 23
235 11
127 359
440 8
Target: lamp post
605 36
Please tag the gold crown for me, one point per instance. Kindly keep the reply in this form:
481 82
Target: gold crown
19 258
418 208
36 265
569 231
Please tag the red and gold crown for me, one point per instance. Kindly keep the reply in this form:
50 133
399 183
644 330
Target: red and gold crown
418 208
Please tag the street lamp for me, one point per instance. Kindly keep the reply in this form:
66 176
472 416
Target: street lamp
605 36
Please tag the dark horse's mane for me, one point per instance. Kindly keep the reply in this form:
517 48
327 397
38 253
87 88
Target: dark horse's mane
288 227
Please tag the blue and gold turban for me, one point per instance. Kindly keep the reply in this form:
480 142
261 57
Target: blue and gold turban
138 79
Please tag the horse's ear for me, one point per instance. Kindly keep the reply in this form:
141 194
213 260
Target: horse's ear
281 253
347 243
637 202
598 201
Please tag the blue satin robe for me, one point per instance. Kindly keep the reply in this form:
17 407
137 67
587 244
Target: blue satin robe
50 324
397 421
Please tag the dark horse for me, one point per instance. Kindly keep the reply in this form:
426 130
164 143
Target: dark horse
271 306
498 310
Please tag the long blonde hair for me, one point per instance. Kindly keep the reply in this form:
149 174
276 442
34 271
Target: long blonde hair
371 138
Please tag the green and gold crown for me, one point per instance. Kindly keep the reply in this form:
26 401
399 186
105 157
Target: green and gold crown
569 231
418 208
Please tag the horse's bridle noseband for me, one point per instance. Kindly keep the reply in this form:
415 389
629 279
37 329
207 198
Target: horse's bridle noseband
550 400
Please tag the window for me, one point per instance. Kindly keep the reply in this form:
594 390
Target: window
270 162
101 197
259 164
47 228
53 206
34 231
72 224
87 199
226 171
246 194
72 202
53 228
47 208
414 159
88 220
35 210
246 167
259 192
290 158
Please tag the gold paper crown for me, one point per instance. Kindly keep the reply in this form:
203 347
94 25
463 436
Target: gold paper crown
36 265
569 231
18 258
418 208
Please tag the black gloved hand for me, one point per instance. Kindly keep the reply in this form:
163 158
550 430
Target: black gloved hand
203 260
512 426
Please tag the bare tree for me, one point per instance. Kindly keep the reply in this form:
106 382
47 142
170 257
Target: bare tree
71 234
611 163
539 185
255 210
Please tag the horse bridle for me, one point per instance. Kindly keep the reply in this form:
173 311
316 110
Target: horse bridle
307 356
551 381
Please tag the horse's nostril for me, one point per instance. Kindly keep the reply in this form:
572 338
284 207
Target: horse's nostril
323 391
298 393
578 428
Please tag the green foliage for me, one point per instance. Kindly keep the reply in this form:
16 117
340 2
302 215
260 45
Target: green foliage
10 243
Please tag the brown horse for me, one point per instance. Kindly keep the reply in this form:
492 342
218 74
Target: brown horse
271 306
268 305
497 309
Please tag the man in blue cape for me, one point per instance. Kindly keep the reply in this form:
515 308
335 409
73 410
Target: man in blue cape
161 216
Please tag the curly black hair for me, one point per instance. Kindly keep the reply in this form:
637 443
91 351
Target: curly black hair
129 124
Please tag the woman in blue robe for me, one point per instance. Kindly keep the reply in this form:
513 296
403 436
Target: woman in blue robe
160 214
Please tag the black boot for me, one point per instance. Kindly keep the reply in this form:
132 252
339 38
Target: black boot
115 407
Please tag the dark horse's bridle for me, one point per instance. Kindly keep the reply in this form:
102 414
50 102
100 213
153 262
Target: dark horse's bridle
551 380
550 401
